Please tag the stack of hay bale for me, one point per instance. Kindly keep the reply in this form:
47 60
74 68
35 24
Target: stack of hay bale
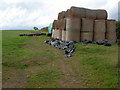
79 24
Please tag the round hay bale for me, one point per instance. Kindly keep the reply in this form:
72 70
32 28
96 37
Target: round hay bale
54 22
63 24
111 37
63 35
101 14
56 33
87 24
99 26
59 34
72 36
53 33
86 36
75 12
110 25
90 14
73 26
58 23
61 15
99 36
66 14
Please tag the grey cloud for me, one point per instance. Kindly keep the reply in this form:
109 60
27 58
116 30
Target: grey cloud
31 6
47 12
3 5
113 12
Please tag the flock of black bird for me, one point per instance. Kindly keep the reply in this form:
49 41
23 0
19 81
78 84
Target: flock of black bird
68 46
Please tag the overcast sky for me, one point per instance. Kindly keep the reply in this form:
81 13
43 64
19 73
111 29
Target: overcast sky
24 14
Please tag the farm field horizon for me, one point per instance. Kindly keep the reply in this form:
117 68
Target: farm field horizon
27 62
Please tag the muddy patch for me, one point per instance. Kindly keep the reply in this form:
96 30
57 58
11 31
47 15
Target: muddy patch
18 80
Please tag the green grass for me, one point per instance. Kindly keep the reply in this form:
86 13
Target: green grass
99 63
45 79
12 50
43 66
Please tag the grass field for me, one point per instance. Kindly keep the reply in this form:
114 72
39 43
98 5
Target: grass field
30 63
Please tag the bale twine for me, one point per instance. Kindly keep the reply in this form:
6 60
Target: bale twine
87 24
75 12
101 14
86 36
63 35
73 26
111 37
90 13
99 26
99 36
110 26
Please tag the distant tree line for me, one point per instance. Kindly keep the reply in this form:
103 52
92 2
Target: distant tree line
35 28
44 28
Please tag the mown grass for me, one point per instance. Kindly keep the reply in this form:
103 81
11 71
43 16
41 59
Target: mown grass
94 65
99 64
17 55
12 51
45 79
